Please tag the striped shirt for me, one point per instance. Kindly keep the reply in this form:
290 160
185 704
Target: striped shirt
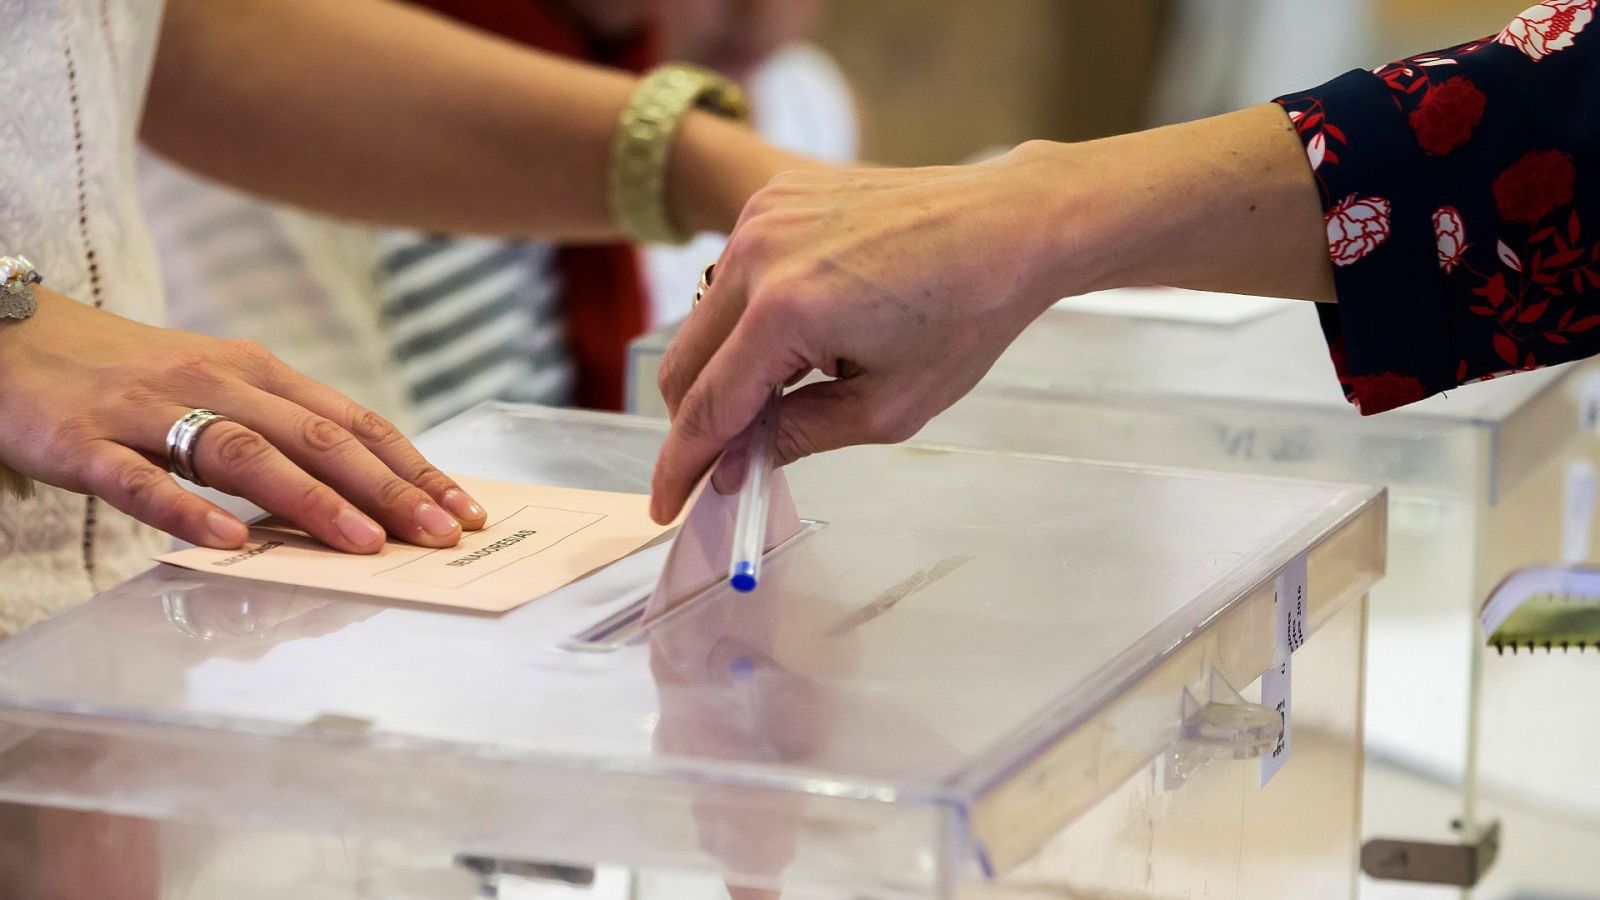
473 319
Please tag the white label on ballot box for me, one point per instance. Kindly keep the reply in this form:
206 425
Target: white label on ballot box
1577 515
1589 404
1289 632
1275 695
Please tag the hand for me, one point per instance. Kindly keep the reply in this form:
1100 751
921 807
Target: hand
902 285
906 285
87 397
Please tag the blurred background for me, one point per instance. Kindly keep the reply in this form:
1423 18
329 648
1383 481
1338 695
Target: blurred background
941 80
420 327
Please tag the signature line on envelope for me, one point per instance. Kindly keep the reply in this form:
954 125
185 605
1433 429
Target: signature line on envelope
511 558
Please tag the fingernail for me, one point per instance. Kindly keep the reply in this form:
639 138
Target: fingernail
226 528
731 473
464 507
436 521
358 529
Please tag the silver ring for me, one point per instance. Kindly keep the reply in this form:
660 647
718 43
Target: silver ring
181 439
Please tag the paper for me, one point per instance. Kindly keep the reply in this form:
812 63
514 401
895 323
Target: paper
1290 609
538 539
1577 513
1289 633
701 552
1589 404
1275 690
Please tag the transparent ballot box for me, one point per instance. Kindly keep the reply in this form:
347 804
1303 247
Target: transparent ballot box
1483 479
974 675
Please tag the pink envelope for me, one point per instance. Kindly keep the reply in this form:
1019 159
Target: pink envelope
700 553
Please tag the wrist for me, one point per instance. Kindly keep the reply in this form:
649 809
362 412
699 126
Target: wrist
15 333
715 167
1066 230
1226 203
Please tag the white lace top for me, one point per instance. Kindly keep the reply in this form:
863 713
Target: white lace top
73 75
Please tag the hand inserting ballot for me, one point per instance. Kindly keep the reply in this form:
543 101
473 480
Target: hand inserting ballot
905 285
878 306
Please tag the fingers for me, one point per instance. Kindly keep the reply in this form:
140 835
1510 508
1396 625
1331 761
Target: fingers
133 484
385 442
734 465
720 404
336 457
701 334
235 459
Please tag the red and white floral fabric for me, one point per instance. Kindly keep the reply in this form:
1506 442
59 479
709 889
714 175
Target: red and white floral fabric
1462 207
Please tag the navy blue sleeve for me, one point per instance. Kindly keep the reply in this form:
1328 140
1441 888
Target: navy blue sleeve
1462 207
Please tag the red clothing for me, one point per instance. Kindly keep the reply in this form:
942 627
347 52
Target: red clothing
603 294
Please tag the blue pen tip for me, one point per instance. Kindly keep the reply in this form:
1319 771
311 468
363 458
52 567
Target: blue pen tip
743 578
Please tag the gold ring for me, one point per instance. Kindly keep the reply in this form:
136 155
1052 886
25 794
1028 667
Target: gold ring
705 284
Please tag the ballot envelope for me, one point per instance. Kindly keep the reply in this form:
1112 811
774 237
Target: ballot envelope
1483 479
971 674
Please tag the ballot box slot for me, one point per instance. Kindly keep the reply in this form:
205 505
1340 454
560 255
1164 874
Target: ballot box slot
626 626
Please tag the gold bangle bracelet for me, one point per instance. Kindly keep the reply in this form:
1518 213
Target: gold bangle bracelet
650 121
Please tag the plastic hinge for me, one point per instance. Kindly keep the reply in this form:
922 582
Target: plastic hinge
1222 726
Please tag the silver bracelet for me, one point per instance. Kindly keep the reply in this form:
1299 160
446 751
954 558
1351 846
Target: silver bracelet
17 278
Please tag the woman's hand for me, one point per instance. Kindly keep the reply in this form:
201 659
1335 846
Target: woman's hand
87 398
906 285
903 285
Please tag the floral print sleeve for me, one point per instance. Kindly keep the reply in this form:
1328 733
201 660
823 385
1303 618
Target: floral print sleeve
1462 204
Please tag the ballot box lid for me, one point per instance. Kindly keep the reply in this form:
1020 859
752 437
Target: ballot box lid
1276 354
1255 393
908 699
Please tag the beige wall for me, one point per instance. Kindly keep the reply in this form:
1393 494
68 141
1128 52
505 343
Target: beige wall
938 80
1405 27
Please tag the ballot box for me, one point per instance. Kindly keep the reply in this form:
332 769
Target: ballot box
972 675
1484 478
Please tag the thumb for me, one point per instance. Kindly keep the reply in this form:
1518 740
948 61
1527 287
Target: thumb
722 402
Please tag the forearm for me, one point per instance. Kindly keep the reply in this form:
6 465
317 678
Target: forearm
373 110
1443 197
1226 203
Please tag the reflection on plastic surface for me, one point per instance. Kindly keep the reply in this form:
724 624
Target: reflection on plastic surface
247 623
65 854
725 694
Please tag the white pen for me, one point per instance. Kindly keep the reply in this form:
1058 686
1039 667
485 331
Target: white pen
750 523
